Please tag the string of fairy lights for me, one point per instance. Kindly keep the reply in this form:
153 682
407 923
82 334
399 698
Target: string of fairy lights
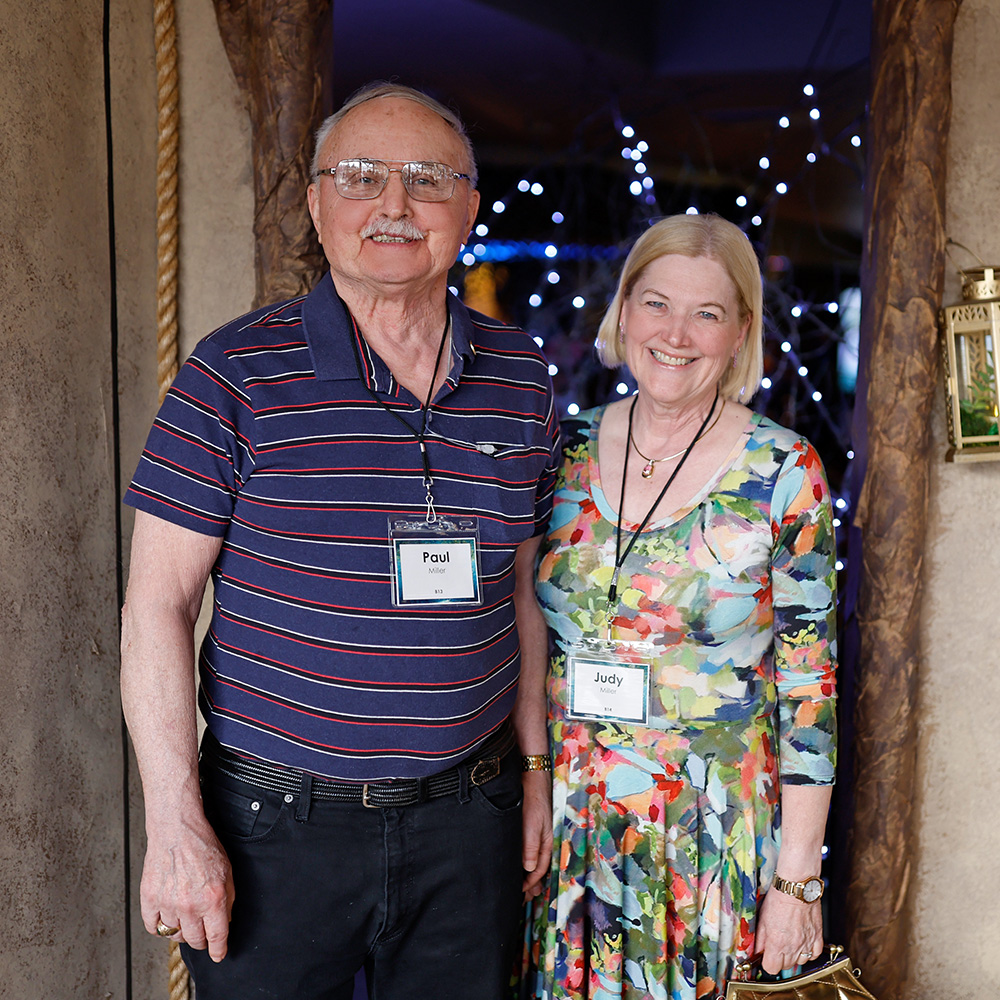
575 279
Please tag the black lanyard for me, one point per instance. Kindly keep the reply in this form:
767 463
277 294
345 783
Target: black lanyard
619 557
428 479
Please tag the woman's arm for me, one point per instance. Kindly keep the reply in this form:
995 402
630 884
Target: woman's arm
789 929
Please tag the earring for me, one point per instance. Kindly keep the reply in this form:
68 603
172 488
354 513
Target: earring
737 351
621 332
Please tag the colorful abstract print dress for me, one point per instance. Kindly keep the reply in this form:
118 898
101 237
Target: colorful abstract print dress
666 834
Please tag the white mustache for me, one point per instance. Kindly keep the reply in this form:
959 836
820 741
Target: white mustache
402 228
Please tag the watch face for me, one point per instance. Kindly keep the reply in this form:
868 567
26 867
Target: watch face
812 890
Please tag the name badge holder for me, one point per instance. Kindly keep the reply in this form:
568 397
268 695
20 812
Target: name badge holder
608 680
435 561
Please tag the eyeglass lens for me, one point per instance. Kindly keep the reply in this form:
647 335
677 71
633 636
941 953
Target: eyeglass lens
424 181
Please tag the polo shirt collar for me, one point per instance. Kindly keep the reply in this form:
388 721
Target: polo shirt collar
329 329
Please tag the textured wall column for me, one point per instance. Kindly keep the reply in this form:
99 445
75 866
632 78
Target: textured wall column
275 48
902 278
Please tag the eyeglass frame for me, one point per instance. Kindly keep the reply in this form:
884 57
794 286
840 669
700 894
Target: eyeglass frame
455 176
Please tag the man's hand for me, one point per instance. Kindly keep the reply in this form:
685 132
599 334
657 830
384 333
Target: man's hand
187 883
537 827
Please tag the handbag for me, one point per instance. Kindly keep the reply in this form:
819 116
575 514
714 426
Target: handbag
835 979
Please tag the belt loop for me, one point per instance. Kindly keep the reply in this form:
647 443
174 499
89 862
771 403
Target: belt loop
305 798
463 783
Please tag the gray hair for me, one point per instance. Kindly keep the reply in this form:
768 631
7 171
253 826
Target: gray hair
379 89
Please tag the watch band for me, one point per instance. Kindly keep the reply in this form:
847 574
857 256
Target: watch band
536 762
799 889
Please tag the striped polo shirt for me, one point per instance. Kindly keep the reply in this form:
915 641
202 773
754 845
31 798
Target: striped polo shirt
270 438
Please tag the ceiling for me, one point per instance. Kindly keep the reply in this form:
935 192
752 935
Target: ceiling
545 86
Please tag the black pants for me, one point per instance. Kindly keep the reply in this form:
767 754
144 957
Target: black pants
426 898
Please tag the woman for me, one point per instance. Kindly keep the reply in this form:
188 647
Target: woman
697 536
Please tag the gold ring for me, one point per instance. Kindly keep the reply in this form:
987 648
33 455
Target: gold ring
164 931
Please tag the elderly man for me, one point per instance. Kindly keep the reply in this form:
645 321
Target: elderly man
365 473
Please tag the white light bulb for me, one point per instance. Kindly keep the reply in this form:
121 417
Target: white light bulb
756 220
537 188
785 346
572 409
453 290
498 207
635 187
621 389
796 311
640 168
557 217
840 503
764 163
838 565
523 185
836 522
691 210
579 302
626 152
855 141
553 369
784 122
765 383
647 182
479 249
482 229
832 307
539 341
551 250
627 131
534 300
741 200
811 157
817 396
468 259
642 145
803 371
808 90
636 154
814 114
781 187
552 277
850 454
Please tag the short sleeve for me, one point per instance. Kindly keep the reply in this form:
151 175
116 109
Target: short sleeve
804 596
547 480
200 450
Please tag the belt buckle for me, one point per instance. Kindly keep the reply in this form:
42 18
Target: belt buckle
484 770
364 798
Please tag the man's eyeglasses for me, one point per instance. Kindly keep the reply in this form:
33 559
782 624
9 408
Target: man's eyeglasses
361 179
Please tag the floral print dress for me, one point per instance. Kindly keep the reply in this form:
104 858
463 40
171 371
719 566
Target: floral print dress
666 834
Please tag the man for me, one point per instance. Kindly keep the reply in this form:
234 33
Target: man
365 473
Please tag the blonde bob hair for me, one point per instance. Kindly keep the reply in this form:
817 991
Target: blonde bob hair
697 236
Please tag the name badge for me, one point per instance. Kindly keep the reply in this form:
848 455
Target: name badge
435 562
604 685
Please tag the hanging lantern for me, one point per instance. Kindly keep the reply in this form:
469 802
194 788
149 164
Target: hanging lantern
970 332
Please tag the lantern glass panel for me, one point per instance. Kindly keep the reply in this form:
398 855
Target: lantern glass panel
976 383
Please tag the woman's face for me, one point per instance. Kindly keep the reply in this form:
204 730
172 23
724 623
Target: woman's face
681 328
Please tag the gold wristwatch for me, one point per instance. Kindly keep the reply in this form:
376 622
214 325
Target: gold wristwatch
536 762
809 891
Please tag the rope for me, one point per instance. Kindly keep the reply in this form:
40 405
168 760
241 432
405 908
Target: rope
167 132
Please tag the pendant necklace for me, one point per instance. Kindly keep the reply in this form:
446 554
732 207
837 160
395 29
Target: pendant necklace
647 469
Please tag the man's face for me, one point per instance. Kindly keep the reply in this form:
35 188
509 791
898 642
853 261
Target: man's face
392 245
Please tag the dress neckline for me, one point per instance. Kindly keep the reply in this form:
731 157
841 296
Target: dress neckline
607 510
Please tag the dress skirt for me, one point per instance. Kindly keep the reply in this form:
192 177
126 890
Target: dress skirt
662 840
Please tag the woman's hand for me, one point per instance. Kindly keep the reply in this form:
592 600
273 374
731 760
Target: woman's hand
789 931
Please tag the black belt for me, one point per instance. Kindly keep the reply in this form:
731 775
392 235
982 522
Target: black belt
480 768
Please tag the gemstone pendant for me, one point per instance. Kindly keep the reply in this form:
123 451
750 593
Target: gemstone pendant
647 470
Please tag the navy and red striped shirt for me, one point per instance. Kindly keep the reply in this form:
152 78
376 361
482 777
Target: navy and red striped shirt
270 439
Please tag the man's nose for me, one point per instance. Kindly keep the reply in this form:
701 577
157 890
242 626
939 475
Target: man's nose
395 199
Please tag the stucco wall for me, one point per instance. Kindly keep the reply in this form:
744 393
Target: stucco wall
61 801
956 907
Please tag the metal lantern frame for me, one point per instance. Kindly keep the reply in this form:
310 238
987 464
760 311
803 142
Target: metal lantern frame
970 335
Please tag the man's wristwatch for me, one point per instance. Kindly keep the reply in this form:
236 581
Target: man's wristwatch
808 891
536 762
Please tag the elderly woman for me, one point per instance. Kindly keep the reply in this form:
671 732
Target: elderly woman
688 582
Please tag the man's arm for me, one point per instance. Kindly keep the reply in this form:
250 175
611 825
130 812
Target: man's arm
186 878
530 718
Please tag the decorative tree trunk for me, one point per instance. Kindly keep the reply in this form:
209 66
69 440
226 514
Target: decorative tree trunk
275 48
902 283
